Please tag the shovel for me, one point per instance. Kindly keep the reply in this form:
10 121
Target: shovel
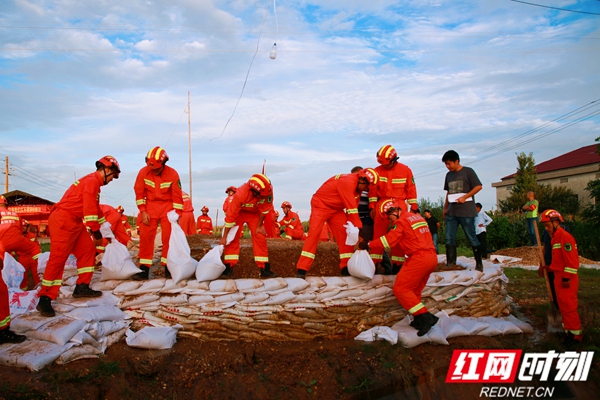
553 315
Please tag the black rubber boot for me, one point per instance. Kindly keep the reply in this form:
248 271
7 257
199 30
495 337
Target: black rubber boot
266 272
478 261
450 255
301 274
142 276
228 273
84 290
427 321
344 271
167 273
416 322
45 307
396 268
8 336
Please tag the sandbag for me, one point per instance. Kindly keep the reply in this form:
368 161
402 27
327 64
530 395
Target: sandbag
59 330
180 263
152 337
13 272
351 234
31 354
361 265
210 267
22 302
117 263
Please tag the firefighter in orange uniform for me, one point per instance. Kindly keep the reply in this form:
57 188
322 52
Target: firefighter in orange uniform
335 203
13 240
230 192
410 233
113 216
565 265
69 219
250 204
124 220
157 191
187 220
396 182
291 226
276 225
205 224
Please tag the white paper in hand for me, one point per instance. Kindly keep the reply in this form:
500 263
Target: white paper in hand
352 234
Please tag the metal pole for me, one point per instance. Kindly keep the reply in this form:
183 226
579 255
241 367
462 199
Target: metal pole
190 143
6 176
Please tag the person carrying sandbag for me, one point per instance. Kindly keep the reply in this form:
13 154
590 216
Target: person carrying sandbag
409 232
250 204
157 191
69 221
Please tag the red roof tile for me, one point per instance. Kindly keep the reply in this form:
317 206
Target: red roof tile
576 158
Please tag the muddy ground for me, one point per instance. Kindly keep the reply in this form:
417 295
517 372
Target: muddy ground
320 369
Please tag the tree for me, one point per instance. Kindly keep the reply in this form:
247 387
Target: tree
592 211
525 181
559 198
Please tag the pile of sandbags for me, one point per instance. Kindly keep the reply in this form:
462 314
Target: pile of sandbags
297 309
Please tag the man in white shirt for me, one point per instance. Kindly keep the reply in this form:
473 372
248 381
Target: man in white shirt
482 220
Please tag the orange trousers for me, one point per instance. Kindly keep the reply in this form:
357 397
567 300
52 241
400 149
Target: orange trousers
412 278
187 222
231 253
336 219
68 236
567 302
148 234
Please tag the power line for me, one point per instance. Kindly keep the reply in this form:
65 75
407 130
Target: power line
556 8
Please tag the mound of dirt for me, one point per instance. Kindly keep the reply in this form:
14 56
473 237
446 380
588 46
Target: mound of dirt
530 255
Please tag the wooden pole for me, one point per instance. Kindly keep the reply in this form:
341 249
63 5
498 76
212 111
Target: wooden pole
189 111
6 176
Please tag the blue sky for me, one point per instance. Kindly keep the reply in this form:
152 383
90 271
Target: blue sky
79 80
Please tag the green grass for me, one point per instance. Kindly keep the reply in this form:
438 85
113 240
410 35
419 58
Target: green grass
460 251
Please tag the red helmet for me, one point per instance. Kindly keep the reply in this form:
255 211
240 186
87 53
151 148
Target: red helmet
120 209
261 184
551 215
204 209
387 207
231 188
156 158
286 204
370 175
387 155
3 200
110 162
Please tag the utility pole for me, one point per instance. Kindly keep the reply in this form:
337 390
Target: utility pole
189 111
6 176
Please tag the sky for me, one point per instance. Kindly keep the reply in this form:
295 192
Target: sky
489 79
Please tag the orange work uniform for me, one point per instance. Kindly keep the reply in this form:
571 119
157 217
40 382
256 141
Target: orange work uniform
292 226
12 240
79 208
565 265
226 203
187 220
126 225
113 217
205 225
156 195
334 203
411 233
396 183
245 208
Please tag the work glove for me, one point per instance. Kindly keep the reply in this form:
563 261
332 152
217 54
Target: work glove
362 245
105 231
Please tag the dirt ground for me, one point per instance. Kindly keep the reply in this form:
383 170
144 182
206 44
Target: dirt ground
319 369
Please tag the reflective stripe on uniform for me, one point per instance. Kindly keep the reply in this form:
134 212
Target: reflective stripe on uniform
416 308
307 254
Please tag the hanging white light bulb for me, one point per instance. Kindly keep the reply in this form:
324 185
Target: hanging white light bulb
273 53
